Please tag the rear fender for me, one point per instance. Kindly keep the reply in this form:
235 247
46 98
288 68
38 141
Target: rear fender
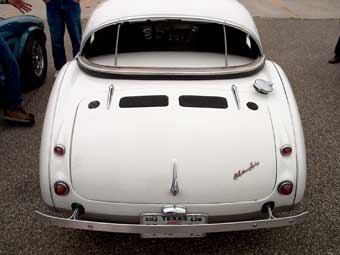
298 135
46 139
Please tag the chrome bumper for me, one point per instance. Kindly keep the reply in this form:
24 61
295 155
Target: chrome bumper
72 222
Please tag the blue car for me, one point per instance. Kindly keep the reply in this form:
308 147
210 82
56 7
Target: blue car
26 38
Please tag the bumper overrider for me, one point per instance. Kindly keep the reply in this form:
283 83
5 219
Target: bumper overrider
73 222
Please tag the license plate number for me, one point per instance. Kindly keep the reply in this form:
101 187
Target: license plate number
159 219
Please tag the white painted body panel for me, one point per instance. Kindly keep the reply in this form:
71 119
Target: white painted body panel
298 135
75 86
205 143
117 161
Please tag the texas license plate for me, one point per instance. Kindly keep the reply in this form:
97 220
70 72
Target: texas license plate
159 219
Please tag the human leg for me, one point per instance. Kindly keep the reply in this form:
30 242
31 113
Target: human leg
56 23
11 94
73 23
11 99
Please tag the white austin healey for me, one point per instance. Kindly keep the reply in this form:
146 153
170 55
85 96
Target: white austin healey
170 122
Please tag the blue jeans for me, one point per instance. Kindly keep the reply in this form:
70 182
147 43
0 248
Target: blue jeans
337 48
59 14
10 94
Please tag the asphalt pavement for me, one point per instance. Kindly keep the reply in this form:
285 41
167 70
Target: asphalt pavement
297 9
302 47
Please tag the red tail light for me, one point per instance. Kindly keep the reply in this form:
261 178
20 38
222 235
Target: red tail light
286 150
61 188
285 188
59 149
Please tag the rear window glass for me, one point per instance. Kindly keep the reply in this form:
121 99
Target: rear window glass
170 43
171 36
101 42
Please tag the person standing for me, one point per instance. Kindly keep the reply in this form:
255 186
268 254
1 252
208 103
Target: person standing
336 58
10 94
59 14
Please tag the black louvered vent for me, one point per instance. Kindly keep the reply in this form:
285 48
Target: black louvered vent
203 101
144 101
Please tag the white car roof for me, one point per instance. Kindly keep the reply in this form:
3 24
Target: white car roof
226 11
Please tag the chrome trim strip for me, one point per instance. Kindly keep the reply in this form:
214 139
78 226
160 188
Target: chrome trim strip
116 48
275 142
236 97
174 189
158 229
225 46
109 96
171 71
174 209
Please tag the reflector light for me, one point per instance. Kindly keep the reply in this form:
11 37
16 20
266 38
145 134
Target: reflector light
61 188
286 150
59 149
285 188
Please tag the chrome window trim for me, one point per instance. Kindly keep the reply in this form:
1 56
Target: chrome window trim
174 73
117 44
225 46
179 72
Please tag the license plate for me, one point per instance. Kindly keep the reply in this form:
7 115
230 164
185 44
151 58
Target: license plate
159 219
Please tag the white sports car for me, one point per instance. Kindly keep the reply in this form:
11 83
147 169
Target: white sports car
170 122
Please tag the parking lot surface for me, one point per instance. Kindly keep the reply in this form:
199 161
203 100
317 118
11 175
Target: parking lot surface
310 9
302 48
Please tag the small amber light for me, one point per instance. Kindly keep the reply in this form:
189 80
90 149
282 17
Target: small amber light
285 188
61 188
286 150
59 149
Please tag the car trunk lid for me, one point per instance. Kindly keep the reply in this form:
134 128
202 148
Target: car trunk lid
128 154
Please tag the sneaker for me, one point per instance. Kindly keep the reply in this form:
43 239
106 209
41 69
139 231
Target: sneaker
19 117
334 60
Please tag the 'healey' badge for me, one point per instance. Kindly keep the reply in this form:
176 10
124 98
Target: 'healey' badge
239 173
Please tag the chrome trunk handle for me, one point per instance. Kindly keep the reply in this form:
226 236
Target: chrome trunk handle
174 209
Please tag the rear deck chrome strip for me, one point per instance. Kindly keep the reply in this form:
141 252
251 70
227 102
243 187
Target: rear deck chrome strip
236 97
109 96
